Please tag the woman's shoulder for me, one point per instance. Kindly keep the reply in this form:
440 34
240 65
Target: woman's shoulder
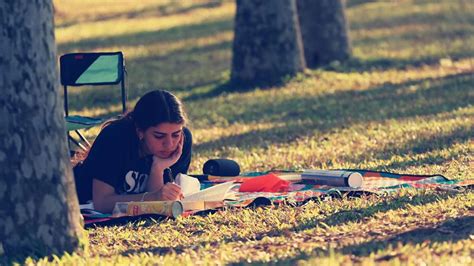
188 136
115 140
121 129
119 125
187 131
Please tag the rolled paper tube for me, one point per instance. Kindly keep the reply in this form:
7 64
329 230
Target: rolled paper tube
166 208
335 178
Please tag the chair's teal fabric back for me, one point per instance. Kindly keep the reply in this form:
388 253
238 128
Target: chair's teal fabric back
79 69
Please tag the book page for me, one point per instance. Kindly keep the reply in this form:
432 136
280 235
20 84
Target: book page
189 185
214 193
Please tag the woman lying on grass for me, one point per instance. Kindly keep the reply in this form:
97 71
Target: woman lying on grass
133 158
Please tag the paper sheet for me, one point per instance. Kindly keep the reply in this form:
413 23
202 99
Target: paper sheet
188 184
190 187
214 193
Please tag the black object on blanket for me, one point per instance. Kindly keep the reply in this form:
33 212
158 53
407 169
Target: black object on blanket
221 167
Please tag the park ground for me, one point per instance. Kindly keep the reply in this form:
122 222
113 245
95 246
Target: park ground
403 103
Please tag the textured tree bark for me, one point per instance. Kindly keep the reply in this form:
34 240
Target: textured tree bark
267 43
38 207
324 31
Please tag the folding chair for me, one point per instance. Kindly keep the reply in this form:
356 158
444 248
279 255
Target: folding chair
79 69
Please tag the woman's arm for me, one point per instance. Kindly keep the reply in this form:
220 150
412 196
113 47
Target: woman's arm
104 196
156 181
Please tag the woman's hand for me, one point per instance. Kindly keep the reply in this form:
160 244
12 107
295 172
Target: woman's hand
156 181
170 191
163 163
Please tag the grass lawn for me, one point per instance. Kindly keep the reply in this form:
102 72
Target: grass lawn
403 103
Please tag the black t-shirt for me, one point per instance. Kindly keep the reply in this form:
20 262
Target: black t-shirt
114 159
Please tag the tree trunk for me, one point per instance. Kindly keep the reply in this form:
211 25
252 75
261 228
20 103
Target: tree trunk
267 43
38 207
324 31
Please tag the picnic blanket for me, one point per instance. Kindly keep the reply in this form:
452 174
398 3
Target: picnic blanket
299 192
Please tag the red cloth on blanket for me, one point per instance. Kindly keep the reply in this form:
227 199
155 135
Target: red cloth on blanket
265 183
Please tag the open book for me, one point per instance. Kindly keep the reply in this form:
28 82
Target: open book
197 199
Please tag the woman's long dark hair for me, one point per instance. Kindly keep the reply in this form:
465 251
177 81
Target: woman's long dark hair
153 108
156 107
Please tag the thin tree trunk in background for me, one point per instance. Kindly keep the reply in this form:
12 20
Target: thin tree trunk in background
324 31
38 206
267 43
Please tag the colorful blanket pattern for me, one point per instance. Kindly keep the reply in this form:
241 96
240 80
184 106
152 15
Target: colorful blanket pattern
374 183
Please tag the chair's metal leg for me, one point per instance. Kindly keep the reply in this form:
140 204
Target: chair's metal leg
77 143
82 138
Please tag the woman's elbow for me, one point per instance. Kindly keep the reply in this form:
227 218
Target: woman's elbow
103 196
101 204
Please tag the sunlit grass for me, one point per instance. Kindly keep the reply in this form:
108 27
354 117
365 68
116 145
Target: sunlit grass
382 146
165 48
409 227
409 32
403 103
73 11
129 26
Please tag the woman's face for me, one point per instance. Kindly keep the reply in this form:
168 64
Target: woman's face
161 140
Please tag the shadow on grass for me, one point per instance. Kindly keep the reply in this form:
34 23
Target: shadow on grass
353 65
184 69
198 67
20 257
216 91
230 87
423 145
322 115
239 87
149 37
358 215
343 109
357 65
339 218
171 8
457 14
414 36
194 73
188 69
451 230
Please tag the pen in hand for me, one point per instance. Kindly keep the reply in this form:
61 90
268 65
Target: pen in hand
168 173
